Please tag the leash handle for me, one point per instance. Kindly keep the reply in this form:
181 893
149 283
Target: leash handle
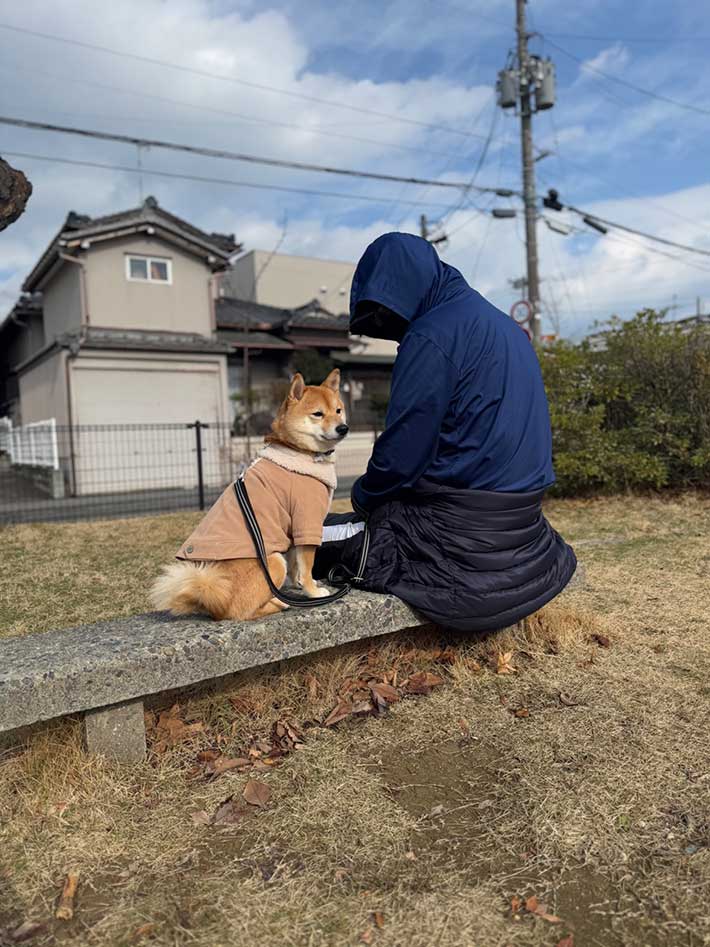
258 540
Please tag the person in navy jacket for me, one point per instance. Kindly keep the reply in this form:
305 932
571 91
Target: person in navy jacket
453 490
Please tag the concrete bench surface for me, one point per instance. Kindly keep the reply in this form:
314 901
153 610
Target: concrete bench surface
106 669
113 664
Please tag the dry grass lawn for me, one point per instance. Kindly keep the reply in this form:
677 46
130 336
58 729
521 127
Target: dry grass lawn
583 778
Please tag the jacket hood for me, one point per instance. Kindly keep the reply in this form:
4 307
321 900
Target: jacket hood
404 274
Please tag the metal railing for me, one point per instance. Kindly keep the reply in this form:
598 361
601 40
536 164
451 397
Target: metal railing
63 472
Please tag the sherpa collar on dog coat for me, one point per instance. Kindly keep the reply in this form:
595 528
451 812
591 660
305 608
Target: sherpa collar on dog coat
290 492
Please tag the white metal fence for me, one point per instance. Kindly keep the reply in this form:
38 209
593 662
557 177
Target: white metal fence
33 445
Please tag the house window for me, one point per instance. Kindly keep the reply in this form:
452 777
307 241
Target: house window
150 269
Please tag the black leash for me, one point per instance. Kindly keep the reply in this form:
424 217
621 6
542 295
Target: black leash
346 579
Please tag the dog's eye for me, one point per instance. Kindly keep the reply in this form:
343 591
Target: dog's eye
317 414
338 411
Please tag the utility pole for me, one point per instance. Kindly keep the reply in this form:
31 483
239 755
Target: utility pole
528 84
424 232
529 200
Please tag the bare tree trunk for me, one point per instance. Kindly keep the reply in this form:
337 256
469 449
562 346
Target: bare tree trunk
15 191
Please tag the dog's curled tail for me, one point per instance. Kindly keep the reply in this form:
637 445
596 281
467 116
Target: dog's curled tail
187 588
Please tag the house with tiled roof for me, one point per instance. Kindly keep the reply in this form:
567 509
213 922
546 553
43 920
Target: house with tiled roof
116 324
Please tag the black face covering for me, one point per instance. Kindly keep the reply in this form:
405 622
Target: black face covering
378 322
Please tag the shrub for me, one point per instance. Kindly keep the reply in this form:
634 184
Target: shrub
635 415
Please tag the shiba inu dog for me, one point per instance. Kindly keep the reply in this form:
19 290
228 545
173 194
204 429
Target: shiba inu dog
290 485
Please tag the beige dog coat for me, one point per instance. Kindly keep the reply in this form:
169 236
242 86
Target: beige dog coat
290 492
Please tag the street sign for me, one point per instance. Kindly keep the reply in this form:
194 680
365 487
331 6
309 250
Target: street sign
521 311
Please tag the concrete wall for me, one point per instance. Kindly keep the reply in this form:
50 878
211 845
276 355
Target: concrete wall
61 302
43 392
117 302
290 281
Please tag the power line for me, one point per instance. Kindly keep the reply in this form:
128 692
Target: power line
250 119
230 155
638 233
243 82
210 180
624 82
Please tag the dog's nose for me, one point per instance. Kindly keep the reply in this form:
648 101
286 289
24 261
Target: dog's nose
342 429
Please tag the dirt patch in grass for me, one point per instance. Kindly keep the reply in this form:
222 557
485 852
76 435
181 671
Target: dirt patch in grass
581 778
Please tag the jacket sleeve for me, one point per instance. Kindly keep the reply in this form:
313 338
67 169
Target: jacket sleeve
423 383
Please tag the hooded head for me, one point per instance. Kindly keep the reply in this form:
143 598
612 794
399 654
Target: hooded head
398 279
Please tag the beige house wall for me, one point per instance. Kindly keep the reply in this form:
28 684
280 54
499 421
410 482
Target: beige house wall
116 302
61 301
290 281
43 391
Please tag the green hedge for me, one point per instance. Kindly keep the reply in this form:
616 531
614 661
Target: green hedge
635 415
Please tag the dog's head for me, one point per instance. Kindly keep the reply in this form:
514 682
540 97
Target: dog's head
312 417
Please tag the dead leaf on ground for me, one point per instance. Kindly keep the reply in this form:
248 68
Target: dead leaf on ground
601 640
503 663
385 693
422 682
515 904
201 817
225 763
230 812
207 756
65 910
343 710
566 941
341 874
539 909
256 793
379 919
367 936
521 712
312 685
145 930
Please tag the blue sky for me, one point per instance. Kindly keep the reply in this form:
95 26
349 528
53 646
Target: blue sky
615 152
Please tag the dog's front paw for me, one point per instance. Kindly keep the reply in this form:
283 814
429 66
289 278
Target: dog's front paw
319 592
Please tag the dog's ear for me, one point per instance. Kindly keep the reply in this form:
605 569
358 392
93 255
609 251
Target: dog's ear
332 381
298 386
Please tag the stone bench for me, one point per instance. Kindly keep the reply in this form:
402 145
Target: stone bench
105 670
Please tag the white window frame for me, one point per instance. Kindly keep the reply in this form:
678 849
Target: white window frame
149 259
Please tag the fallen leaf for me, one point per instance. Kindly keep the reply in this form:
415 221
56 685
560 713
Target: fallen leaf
601 640
465 727
521 712
201 817
340 874
362 707
411 856
504 665
145 930
366 936
207 756
379 919
230 812
256 793
567 701
312 685
472 664
422 682
515 904
343 710
566 941
224 764
26 931
385 692
531 904
550 918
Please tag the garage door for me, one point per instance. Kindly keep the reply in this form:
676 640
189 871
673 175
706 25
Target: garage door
108 395
131 430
